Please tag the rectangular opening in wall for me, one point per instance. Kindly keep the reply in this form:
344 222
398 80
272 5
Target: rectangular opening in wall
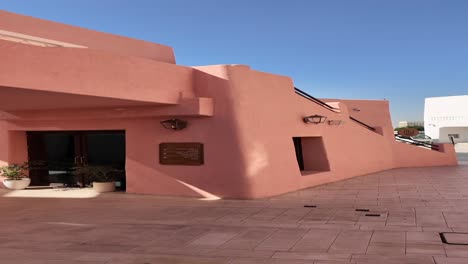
311 154
298 149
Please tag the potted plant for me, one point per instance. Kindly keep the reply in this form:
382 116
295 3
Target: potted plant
15 176
102 177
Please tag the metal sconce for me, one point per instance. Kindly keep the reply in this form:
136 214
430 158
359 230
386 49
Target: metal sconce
175 124
336 122
314 119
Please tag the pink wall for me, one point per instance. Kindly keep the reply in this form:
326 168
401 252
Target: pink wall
269 114
84 37
249 151
92 73
410 156
246 120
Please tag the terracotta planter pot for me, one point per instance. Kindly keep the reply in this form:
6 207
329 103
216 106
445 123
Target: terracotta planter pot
17 184
102 187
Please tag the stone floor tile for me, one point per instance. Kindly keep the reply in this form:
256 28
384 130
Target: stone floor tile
423 238
250 238
377 259
430 218
248 261
283 239
425 249
317 240
236 253
401 218
457 251
395 237
446 260
172 259
213 239
333 262
391 249
351 241
312 256
290 261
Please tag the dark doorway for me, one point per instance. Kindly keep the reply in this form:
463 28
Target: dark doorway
58 152
298 148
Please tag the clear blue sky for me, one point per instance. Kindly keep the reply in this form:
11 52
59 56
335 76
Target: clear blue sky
403 50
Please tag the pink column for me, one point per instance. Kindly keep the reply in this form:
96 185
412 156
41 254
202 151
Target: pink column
4 146
18 147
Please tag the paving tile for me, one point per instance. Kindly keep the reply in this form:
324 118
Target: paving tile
373 259
289 261
250 238
401 218
430 218
248 261
313 256
425 249
213 239
395 237
446 260
456 251
423 238
156 259
236 253
351 241
391 249
333 262
317 240
283 239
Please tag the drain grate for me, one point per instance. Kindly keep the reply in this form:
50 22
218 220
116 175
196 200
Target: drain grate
362 210
373 215
454 238
310 206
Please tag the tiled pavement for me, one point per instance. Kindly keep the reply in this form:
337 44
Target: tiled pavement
414 206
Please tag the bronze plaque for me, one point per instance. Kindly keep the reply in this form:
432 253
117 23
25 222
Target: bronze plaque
181 153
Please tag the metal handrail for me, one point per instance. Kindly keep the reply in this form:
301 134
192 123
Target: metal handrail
417 143
362 123
315 100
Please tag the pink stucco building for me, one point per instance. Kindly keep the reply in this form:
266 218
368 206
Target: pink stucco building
69 94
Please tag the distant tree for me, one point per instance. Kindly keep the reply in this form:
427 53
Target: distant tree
419 128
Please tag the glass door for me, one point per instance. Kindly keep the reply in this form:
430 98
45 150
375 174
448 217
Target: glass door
57 153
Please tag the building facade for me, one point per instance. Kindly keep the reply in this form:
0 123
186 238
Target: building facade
446 118
75 96
410 123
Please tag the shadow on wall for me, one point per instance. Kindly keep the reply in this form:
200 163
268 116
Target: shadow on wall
225 175
315 155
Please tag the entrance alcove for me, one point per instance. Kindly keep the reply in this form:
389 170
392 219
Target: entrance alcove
60 151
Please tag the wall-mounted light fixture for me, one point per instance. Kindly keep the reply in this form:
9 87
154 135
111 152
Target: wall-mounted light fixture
355 109
336 122
314 119
175 124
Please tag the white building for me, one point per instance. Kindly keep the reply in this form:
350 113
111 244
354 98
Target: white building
410 123
446 118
